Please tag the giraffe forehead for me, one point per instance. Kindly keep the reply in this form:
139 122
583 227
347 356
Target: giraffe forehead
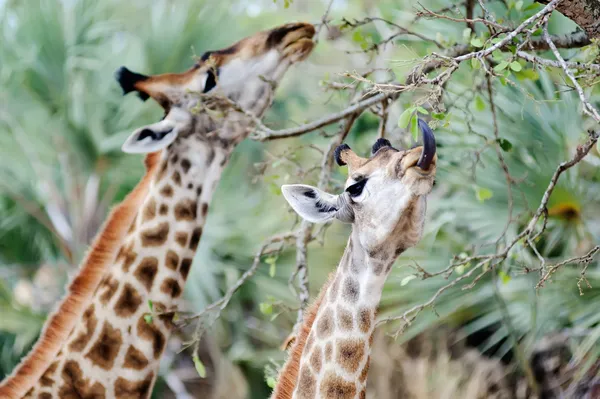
379 161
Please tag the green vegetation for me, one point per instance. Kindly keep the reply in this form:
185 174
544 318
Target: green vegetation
63 120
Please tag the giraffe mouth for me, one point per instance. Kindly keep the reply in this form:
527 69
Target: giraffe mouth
298 42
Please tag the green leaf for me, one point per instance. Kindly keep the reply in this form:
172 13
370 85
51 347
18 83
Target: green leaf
497 55
148 318
530 74
505 144
200 369
438 115
519 5
483 194
405 118
407 280
505 278
466 33
414 127
501 66
515 66
272 270
150 304
358 37
271 382
460 269
266 308
476 42
422 110
439 38
479 103
475 64
275 189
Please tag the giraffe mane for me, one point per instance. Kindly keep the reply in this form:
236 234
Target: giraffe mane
288 376
99 257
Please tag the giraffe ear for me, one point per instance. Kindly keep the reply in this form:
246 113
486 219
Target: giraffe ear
151 138
311 203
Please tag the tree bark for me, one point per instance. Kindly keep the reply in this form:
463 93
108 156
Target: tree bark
585 13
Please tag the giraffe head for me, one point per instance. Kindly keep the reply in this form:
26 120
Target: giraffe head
384 196
237 80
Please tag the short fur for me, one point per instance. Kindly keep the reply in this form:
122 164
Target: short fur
288 376
60 323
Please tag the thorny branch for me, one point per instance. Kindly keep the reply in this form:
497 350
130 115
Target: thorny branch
212 312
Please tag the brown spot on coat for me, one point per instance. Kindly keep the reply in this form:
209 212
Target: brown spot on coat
184 269
162 170
171 260
163 209
325 324
307 384
171 287
176 178
135 359
156 236
204 209
186 210
127 255
316 359
110 285
106 348
166 191
125 389
146 271
365 371
181 238
129 301
345 319
351 290
334 386
90 322
133 225
364 320
75 386
378 268
185 165
328 352
196 234
350 353
309 342
150 332
199 190
47 379
149 210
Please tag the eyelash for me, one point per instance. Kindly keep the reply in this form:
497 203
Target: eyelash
356 189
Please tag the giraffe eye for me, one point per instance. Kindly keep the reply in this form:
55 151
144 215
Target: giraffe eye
357 188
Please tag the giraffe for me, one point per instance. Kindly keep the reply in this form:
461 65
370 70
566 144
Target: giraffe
385 201
99 342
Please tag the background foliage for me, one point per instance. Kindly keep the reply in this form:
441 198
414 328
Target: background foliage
63 120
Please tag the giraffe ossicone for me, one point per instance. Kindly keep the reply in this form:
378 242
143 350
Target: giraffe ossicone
99 342
385 201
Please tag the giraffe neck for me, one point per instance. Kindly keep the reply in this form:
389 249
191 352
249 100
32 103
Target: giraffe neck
116 348
334 359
